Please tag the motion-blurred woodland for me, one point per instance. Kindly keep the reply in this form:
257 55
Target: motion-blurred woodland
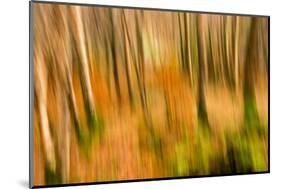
125 94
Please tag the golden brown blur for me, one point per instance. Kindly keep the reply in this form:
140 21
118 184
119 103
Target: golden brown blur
124 94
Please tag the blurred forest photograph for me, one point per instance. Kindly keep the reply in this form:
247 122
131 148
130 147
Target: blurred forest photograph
125 94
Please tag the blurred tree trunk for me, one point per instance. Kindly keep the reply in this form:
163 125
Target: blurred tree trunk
202 34
126 57
182 50
189 47
114 56
251 59
140 68
41 93
81 45
236 63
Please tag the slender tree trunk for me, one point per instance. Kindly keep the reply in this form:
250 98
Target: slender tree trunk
182 54
126 58
81 42
41 92
237 37
141 71
189 50
202 61
114 58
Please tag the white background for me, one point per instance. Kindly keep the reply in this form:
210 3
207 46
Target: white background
14 104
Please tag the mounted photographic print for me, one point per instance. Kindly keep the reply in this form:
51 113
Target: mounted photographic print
120 94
